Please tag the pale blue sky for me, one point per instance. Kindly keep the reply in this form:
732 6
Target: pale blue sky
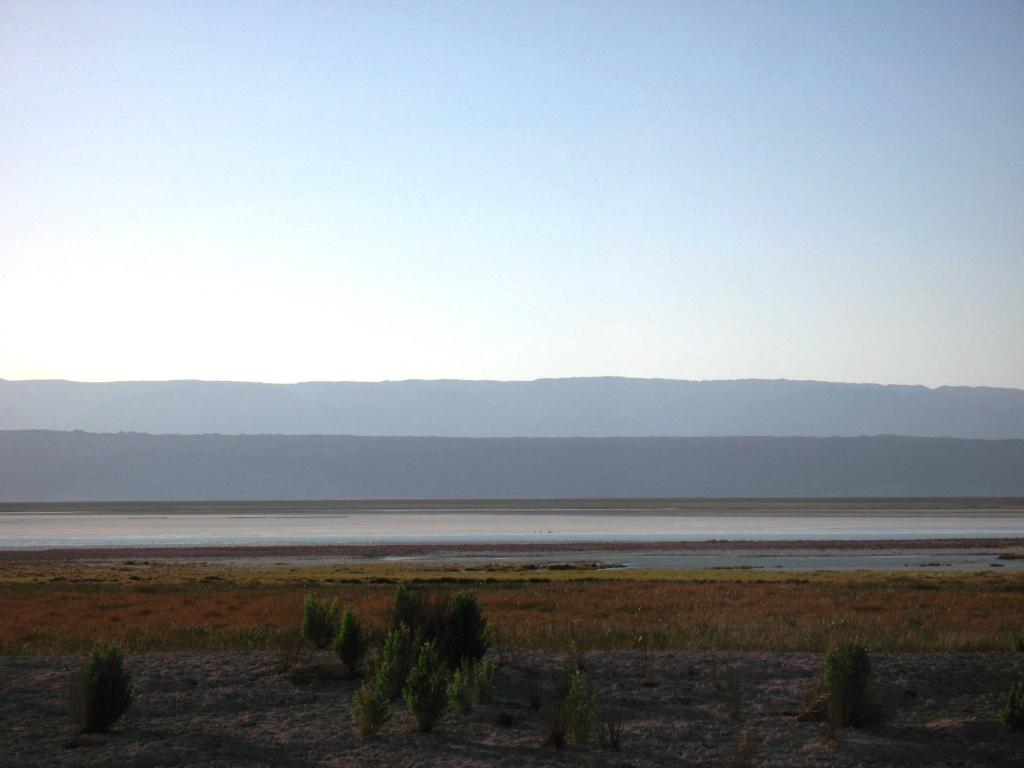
296 191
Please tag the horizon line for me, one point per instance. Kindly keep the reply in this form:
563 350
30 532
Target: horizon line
506 381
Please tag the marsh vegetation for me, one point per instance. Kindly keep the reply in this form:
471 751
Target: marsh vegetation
162 606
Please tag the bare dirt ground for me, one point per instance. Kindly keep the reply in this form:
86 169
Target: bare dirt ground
231 709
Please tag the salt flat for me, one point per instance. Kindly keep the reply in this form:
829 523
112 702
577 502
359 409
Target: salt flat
90 529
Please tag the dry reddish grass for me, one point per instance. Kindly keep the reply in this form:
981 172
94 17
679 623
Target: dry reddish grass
894 613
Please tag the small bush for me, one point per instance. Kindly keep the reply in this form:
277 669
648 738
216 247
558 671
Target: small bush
847 675
425 690
424 613
291 648
563 680
554 728
406 611
502 641
651 675
579 647
455 625
351 643
460 690
1012 715
484 675
465 632
815 702
397 658
578 709
1019 645
372 709
610 731
319 624
731 690
103 690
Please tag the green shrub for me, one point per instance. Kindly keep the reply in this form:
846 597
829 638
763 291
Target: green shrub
397 658
1019 645
455 625
649 664
351 643
472 683
371 708
465 634
578 709
731 690
460 689
554 727
291 648
610 731
847 676
406 609
579 646
425 691
484 675
1012 715
424 613
103 690
319 624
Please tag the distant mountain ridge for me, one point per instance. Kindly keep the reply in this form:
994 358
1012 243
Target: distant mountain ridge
579 407
82 466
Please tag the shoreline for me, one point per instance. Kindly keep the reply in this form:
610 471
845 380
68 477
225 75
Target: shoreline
444 551
670 506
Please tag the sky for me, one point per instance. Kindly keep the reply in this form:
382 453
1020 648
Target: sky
512 190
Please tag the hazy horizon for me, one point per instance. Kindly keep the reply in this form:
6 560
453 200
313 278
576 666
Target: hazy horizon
528 380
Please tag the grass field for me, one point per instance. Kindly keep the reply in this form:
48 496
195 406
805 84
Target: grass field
174 606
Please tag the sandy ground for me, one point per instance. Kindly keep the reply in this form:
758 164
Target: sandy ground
230 709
